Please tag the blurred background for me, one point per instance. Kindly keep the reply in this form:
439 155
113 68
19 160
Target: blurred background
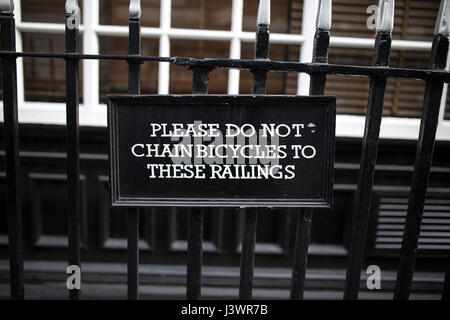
225 29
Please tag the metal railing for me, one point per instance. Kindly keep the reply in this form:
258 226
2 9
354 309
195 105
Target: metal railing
435 77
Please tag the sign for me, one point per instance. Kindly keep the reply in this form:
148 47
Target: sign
221 151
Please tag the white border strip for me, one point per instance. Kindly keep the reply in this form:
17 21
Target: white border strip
347 126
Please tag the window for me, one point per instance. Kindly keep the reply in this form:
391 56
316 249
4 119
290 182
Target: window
45 79
45 11
201 14
114 74
115 12
352 43
181 78
414 20
225 29
286 16
277 82
403 97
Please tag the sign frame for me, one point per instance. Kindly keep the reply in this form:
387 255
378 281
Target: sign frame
117 101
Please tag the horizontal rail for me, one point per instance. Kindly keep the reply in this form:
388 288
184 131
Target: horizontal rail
244 36
269 65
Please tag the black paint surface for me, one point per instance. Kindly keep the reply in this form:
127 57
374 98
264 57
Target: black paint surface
129 123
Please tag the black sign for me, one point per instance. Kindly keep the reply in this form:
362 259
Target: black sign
221 151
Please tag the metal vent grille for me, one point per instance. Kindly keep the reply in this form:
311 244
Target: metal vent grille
435 230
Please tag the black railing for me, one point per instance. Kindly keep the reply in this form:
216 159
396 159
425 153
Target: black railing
379 72
73 146
134 87
11 129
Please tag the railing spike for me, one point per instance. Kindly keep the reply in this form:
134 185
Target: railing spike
264 13
72 6
7 6
443 19
323 21
135 9
385 21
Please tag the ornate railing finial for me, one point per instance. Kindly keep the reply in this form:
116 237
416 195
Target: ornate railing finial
385 21
443 19
324 15
72 6
7 6
263 13
135 9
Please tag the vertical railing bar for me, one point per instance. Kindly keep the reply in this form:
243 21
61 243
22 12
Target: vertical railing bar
200 78
317 87
287 47
261 53
11 140
134 70
248 254
302 240
424 156
196 216
194 254
446 288
133 253
251 216
73 143
369 151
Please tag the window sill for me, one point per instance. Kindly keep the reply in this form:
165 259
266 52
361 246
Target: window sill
347 126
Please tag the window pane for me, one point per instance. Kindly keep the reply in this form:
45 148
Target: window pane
403 97
414 19
181 78
286 16
201 14
407 98
420 19
116 12
45 79
49 11
352 93
114 74
277 82
350 18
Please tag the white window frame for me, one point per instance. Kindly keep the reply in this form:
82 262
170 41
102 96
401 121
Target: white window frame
92 113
